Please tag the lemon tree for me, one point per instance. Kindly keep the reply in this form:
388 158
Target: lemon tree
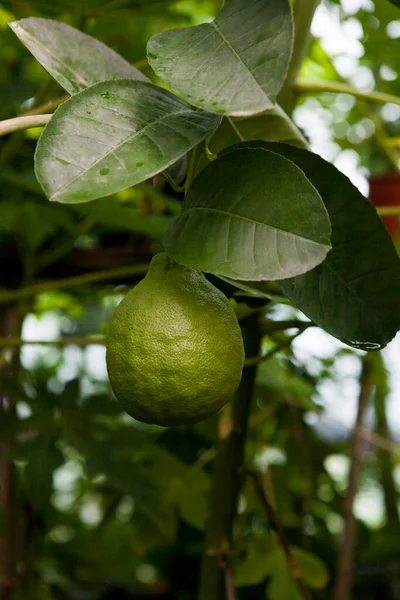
162 169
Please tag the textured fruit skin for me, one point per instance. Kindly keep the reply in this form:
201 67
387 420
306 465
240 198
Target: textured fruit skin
175 351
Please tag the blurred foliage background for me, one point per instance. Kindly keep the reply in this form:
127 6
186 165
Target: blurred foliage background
101 507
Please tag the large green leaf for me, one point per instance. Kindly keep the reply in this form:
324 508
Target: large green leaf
74 59
354 294
235 65
251 215
113 135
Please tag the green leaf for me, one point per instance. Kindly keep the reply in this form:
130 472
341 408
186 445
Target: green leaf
251 215
235 65
113 135
274 375
74 59
192 497
112 213
253 568
354 294
36 221
313 571
265 558
282 585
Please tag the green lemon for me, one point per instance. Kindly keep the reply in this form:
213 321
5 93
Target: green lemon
175 351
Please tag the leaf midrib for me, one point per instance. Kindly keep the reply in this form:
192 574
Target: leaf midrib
34 39
254 221
214 25
118 146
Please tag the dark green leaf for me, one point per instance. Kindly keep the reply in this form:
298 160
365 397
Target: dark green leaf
74 59
192 497
35 220
395 2
114 214
354 294
114 135
251 215
235 65
294 389
43 459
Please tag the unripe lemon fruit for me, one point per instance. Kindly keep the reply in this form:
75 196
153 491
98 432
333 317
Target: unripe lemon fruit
175 351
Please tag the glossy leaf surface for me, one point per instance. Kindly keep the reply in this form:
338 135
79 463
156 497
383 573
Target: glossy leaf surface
235 65
251 215
113 135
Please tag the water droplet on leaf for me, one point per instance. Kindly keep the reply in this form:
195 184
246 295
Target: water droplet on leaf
104 172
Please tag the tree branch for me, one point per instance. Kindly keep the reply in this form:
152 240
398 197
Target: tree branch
388 211
345 565
336 87
256 360
70 282
16 342
226 478
19 123
46 106
283 542
225 561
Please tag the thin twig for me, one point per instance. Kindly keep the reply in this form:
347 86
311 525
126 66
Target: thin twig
344 573
378 440
336 87
20 123
72 282
225 561
393 142
276 527
16 342
269 327
46 107
235 129
191 169
54 254
381 135
256 360
388 211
